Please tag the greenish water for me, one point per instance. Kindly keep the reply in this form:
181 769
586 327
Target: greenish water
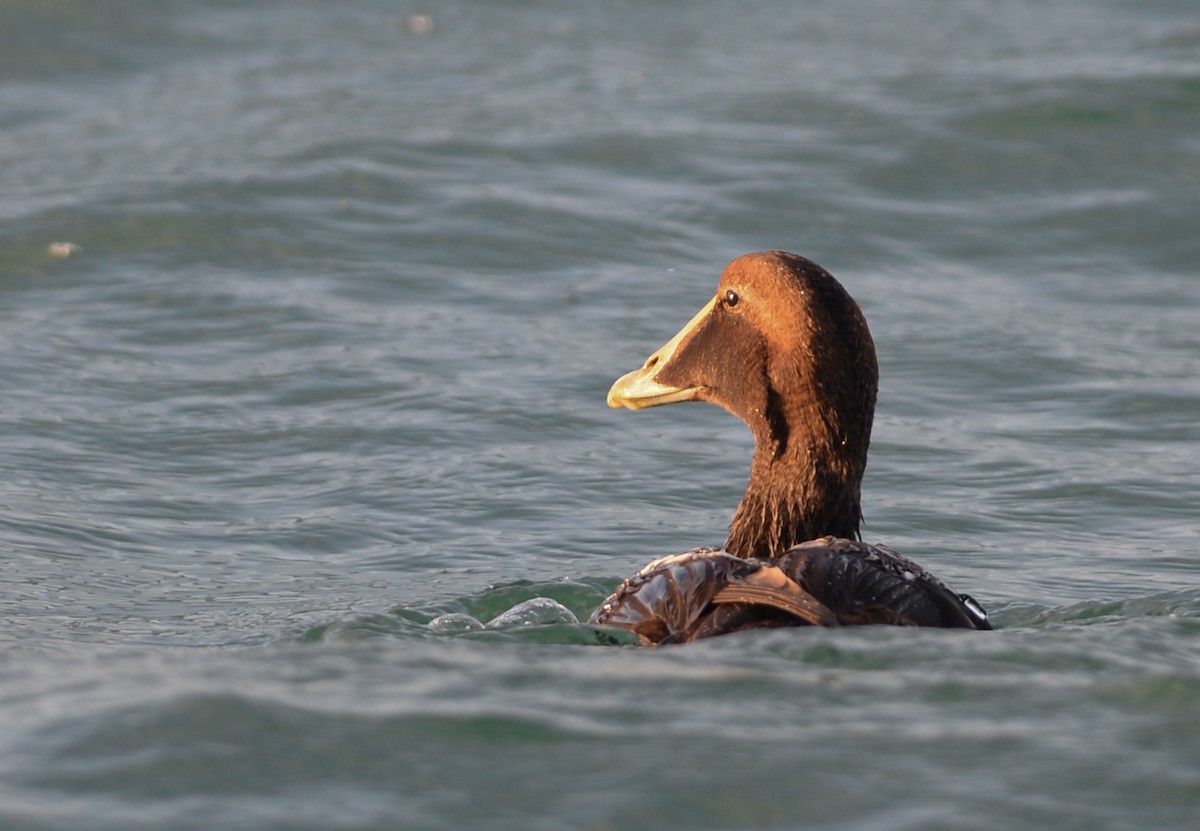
320 394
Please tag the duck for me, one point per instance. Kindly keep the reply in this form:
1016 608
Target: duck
784 347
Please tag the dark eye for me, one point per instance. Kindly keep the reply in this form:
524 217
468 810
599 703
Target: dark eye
731 298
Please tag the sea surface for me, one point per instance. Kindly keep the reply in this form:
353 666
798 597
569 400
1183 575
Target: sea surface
307 315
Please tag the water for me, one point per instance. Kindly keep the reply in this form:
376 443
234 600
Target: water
321 393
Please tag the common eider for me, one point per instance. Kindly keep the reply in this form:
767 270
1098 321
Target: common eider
785 348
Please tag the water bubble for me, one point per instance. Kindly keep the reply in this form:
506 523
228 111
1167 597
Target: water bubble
455 622
533 612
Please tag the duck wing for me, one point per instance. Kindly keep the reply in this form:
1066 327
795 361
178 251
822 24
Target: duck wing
825 582
707 592
865 584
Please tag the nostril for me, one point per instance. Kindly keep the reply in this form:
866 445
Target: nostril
651 362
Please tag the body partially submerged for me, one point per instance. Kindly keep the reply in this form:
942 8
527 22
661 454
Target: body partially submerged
784 347
823 582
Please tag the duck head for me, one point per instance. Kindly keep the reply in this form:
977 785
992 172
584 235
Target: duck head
785 348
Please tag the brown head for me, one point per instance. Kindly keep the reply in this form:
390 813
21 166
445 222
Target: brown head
784 348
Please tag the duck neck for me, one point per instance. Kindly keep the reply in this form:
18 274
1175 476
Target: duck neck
798 491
